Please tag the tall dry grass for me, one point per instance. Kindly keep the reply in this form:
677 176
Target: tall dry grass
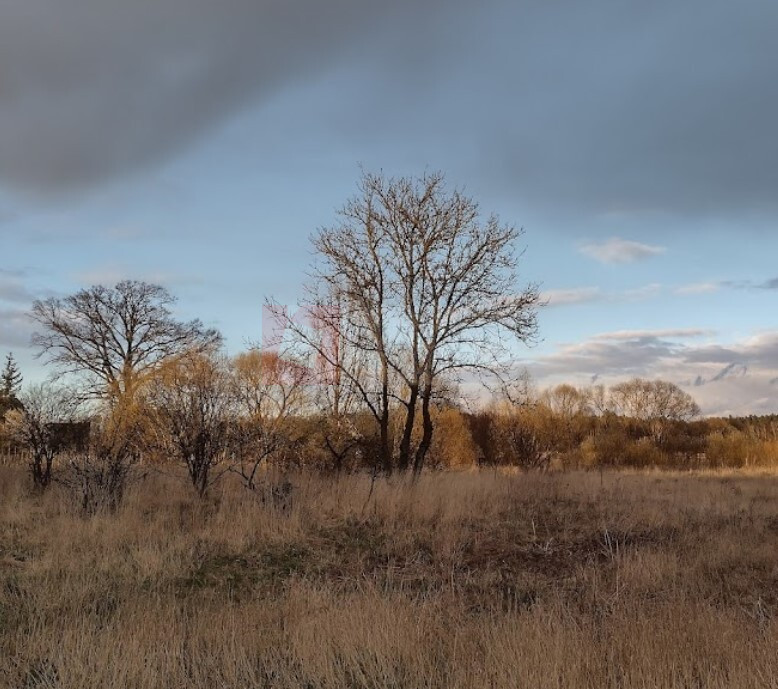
462 580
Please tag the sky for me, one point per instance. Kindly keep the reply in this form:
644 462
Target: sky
199 144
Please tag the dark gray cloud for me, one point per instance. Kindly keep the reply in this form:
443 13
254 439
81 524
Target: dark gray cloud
613 354
94 89
733 370
610 106
656 107
599 107
649 336
606 107
759 351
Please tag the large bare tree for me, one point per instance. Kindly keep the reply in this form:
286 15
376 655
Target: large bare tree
117 336
426 288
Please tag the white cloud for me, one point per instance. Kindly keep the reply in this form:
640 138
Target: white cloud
645 292
711 287
698 288
616 250
769 284
576 295
587 295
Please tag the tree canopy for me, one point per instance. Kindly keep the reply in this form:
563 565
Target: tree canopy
116 336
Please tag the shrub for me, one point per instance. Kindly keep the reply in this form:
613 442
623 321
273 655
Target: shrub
737 449
517 439
452 444
97 476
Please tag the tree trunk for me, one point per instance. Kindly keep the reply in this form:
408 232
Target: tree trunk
386 450
427 428
404 459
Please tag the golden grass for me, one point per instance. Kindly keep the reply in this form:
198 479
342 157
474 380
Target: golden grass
463 580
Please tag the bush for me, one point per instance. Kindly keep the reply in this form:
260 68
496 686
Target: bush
517 439
452 444
736 449
97 477
96 480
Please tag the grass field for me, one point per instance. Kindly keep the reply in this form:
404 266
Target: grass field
464 580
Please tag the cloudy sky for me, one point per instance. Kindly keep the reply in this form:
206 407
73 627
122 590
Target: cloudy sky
199 143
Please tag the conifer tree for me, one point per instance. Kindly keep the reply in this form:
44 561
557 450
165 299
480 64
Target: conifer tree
11 378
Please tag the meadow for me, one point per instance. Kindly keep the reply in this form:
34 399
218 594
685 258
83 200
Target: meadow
467 580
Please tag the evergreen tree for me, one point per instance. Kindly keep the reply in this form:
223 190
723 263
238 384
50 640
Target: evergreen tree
10 379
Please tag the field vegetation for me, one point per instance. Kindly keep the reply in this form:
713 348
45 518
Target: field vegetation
458 579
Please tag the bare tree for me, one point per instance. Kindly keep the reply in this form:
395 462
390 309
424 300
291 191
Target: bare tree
118 336
344 331
191 414
343 377
567 405
599 400
269 390
649 399
566 401
38 424
654 401
426 288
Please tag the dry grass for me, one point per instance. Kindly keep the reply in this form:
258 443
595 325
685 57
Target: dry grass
465 580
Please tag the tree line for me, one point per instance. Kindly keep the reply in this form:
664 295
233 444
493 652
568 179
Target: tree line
412 290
